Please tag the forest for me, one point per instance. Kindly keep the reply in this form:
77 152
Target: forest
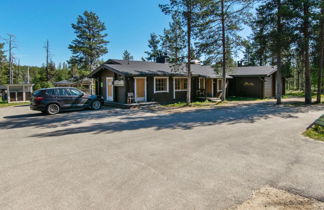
288 34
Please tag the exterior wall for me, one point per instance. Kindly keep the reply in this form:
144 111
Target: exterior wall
120 93
164 97
248 87
268 87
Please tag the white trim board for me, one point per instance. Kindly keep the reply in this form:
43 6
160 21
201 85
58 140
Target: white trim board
154 90
145 89
112 86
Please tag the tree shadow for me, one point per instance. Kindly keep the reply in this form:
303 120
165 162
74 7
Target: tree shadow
39 120
133 119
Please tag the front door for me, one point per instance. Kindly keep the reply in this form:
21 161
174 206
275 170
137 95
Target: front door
140 89
110 89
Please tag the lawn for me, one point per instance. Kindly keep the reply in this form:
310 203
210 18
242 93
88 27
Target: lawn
317 130
235 98
193 104
5 104
298 93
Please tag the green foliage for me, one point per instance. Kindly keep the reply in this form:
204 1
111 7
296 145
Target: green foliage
209 28
174 41
154 45
127 55
316 132
3 65
90 43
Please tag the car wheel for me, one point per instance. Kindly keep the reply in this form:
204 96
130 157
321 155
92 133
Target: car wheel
53 109
95 105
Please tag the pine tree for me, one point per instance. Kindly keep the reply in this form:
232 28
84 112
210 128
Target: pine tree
174 41
154 45
275 17
186 11
321 53
3 65
304 15
127 56
220 23
90 43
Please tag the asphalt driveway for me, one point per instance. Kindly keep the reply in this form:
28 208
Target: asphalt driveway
140 159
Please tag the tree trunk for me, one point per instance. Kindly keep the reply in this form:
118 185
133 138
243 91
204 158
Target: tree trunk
279 51
189 52
308 88
321 60
47 58
224 51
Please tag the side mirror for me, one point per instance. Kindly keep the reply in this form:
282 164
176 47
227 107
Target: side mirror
82 94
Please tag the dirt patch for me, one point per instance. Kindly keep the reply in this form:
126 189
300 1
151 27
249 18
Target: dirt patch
271 198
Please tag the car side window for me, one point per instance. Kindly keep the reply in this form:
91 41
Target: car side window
75 92
62 92
50 92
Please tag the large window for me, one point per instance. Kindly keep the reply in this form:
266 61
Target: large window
161 84
180 84
201 83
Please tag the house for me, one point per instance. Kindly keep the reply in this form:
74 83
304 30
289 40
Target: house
17 92
120 80
253 81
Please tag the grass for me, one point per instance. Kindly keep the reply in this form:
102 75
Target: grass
316 132
193 104
298 93
5 104
234 98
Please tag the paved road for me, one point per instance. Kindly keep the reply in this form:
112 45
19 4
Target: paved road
137 159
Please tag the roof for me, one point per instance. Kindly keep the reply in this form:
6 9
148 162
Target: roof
252 71
2 87
64 82
137 68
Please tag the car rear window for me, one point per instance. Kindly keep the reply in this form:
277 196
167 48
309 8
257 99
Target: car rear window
37 93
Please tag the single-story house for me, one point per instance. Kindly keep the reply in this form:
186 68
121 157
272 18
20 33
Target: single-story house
122 80
17 92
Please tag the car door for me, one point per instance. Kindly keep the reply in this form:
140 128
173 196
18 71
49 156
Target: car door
64 98
78 97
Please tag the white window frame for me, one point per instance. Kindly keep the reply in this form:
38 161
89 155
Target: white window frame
145 89
200 84
174 78
112 86
161 91
174 90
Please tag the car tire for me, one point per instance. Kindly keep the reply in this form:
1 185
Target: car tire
96 105
52 109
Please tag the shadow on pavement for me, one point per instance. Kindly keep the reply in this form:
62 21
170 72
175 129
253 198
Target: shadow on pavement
134 119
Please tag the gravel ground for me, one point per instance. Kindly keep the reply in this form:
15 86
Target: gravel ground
269 198
211 158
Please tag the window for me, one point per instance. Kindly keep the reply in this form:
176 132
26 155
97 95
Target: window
75 92
201 83
161 84
180 83
37 93
62 92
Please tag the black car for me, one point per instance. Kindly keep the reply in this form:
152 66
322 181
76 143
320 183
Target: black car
54 100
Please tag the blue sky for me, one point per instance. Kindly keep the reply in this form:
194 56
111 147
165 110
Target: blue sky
129 24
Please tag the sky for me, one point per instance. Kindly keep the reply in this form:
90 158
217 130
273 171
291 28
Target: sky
128 22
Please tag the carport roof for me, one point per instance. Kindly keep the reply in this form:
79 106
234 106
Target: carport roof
252 71
140 68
